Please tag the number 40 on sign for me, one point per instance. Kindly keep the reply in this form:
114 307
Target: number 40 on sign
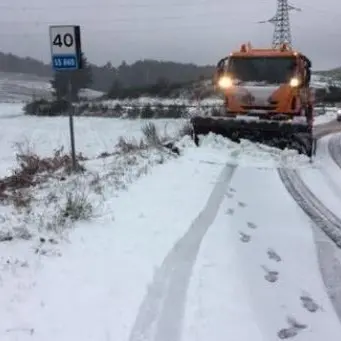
65 47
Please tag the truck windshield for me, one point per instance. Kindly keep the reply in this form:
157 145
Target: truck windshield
273 70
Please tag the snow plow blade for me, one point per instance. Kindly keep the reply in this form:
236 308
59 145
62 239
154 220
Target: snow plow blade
279 134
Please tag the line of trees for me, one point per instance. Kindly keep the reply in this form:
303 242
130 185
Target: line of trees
142 73
68 84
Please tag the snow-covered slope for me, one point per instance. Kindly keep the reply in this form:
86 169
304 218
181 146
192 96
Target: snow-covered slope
319 81
22 87
17 87
203 246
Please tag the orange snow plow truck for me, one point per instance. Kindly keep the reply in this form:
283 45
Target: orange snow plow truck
267 99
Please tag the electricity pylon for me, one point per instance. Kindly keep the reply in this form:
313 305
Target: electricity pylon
281 20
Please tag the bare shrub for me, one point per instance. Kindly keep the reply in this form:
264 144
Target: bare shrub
96 184
104 155
20 199
19 232
31 164
125 146
22 232
152 139
31 171
151 135
77 207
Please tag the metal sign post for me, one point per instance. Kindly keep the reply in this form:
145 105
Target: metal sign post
65 42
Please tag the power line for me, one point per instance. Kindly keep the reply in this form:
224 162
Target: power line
137 19
137 5
128 19
106 5
120 30
117 30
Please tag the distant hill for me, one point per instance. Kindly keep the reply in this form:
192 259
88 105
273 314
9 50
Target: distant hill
21 87
140 73
334 73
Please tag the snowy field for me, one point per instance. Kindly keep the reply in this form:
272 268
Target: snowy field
98 135
93 135
187 247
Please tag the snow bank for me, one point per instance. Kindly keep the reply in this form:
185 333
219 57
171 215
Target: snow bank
245 154
141 101
324 178
57 199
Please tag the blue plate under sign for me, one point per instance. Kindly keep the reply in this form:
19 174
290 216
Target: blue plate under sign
64 62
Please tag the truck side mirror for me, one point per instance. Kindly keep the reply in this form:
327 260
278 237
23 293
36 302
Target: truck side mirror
308 75
222 62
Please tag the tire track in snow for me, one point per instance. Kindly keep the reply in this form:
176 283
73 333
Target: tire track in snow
325 227
334 148
329 263
160 316
327 161
330 268
326 220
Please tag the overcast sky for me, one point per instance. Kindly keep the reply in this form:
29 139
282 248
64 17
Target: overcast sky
199 31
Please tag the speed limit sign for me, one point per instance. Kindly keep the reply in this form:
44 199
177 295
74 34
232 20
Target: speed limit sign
65 47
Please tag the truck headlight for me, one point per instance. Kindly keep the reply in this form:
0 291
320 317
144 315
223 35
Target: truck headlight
294 82
225 82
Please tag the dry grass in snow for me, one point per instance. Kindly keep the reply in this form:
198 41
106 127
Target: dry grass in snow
43 197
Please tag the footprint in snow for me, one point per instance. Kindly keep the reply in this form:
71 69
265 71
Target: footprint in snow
241 204
251 225
245 238
292 331
309 304
271 275
232 190
273 255
287 333
230 211
229 195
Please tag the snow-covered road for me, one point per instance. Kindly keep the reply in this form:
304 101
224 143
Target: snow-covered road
164 272
207 246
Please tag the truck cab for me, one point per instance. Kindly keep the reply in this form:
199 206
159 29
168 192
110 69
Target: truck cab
265 82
